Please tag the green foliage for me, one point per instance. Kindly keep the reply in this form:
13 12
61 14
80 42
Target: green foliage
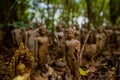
68 9
19 24
118 20
1 25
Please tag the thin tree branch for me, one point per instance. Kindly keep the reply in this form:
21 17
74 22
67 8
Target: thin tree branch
83 47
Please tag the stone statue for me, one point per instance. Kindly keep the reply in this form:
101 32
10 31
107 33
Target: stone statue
72 54
16 35
60 37
100 39
77 32
29 40
109 34
41 48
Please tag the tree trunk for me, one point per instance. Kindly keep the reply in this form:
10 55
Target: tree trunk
89 12
114 10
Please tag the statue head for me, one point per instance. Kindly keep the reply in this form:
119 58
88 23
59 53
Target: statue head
42 31
70 33
59 27
30 27
100 29
70 26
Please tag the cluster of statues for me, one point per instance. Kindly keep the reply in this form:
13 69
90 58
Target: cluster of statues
44 49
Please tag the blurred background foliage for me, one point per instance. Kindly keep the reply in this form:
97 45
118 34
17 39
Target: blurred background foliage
93 12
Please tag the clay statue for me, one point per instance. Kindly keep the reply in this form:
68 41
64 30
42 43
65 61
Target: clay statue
16 35
29 40
77 32
90 50
72 54
109 34
70 26
60 37
41 48
100 39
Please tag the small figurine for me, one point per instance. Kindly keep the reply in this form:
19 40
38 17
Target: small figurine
100 39
72 54
16 35
77 32
60 37
41 48
30 36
